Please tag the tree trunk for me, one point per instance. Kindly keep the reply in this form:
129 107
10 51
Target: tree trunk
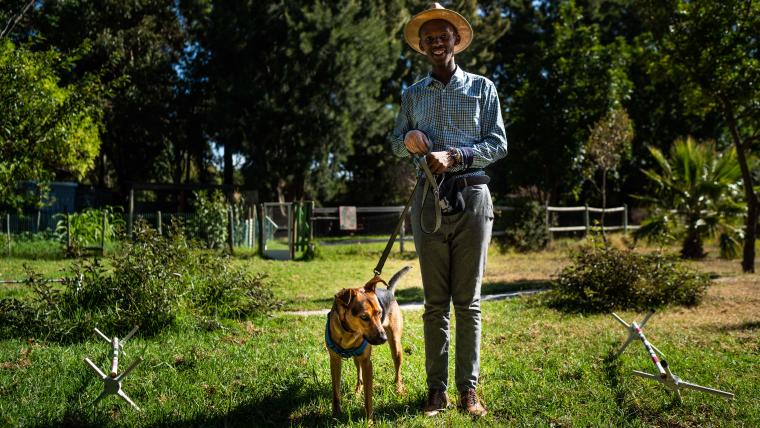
692 247
228 166
604 204
750 232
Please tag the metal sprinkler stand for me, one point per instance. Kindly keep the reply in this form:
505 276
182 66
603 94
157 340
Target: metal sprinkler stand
112 381
665 376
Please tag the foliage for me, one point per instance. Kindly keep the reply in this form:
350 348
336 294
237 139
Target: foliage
298 107
225 292
135 48
525 229
86 227
559 74
603 278
608 144
45 126
149 285
711 50
209 224
696 193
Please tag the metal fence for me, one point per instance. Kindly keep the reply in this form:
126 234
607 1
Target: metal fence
373 224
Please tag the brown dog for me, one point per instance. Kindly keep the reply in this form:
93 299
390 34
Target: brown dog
362 317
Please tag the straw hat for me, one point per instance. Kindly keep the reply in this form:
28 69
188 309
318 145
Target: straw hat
436 11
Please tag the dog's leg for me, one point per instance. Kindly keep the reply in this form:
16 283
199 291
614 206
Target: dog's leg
367 377
358 389
397 352
335 362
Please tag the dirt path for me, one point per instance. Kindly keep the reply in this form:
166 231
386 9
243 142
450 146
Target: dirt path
419 305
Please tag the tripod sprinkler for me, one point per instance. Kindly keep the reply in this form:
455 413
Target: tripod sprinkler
664 376
112 381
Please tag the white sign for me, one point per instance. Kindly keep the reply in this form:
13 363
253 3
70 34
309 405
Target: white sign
347 217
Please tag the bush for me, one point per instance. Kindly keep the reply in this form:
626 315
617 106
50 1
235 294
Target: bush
209 224
147 287
526 228
87 226
232 293
601 279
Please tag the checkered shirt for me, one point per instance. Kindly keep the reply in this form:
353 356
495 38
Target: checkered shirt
464 114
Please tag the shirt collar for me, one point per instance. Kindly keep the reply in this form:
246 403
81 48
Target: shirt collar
456 79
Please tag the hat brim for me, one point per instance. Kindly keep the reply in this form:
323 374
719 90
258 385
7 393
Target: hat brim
412 28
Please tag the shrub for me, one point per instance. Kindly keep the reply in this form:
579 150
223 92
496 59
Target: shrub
150 283
232 293
87 226
525 228
209 224
601 279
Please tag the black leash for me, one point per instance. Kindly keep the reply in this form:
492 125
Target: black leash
430 182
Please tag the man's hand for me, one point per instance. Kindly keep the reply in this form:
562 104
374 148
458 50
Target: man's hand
439 162
417 142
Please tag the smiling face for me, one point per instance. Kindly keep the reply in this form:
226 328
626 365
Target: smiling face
438 39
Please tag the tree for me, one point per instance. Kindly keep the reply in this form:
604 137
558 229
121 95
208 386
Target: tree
293 86
135 48
45 128
711 48
608 144
558 77
695 195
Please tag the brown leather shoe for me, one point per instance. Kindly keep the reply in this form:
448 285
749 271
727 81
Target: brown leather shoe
437 401
468 400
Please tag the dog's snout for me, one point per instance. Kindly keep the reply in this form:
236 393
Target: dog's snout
378 340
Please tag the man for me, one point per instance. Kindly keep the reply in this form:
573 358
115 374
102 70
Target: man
453 118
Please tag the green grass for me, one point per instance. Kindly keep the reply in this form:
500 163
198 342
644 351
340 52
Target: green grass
539 367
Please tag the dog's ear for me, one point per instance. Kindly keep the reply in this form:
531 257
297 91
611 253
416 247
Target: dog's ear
345 296
372 284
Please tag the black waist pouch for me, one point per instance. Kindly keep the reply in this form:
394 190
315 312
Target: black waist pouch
451 199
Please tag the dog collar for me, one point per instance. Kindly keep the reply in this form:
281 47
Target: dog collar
344 353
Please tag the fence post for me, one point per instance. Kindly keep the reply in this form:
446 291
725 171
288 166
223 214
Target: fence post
230 229
251 223
292 238
586 219
39 218
103 233
261 229
546 221
625 218
68 232
131 212
8 231
402 235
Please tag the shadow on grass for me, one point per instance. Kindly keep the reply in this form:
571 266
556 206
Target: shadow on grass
417 295
727 328
293 404
634 409
499 287
87 414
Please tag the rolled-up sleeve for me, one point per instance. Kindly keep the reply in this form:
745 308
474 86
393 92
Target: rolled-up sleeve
402 126
493 143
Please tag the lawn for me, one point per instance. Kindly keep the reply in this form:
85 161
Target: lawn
539 366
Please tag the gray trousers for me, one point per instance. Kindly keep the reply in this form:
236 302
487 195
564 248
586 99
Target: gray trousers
452 261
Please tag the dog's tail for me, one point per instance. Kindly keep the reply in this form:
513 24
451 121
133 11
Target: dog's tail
395 278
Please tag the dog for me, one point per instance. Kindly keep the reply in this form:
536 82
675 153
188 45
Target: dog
360 318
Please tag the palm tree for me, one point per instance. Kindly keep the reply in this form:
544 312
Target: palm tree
696 195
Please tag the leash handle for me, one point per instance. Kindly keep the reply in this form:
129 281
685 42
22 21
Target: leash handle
430 183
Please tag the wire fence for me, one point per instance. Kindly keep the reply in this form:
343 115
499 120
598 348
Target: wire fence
372 224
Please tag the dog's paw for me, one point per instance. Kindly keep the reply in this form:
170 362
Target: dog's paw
400 389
